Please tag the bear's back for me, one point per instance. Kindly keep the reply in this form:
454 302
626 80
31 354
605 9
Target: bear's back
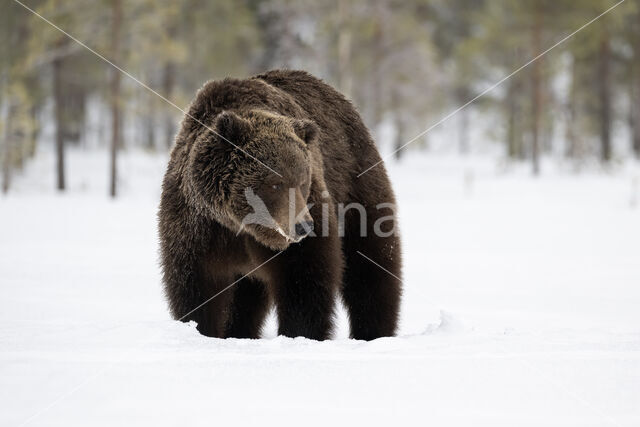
346 143
216 96
321 102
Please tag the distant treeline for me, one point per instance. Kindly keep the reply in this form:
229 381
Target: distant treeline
408 62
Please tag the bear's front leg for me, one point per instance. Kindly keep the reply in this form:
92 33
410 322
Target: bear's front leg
310 273
211 312
372 280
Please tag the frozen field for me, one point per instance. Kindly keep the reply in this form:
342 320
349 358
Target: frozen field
521 308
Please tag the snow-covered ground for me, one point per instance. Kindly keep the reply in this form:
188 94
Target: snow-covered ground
521 308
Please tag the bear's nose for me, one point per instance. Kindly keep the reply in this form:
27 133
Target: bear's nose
304 228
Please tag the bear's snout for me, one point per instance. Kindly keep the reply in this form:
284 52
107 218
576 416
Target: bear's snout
303 229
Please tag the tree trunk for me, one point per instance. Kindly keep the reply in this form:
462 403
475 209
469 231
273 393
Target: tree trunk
168 83
398 148
399 124
6 150
514 130
463 130
35 131
636 117
635 97
512 149
344 48
378 58
604 95
536 93
573 150
6 167
74 111
4 141
58 101
149 122
150 130
115 93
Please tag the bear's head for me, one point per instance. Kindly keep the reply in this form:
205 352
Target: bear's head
252 172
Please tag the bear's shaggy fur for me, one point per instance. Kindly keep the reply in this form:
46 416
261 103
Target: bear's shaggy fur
273 132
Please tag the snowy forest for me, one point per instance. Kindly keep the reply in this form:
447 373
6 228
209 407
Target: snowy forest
403 63
510 133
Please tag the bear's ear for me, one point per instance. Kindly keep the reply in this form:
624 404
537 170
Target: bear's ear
231 127
306 130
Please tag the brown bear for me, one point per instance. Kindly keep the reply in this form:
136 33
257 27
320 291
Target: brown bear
284 142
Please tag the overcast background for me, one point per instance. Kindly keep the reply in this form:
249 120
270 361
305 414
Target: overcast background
519 213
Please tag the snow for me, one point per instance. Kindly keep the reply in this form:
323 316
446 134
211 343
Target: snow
521 307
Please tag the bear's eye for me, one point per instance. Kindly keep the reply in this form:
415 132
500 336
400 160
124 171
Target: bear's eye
276 186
